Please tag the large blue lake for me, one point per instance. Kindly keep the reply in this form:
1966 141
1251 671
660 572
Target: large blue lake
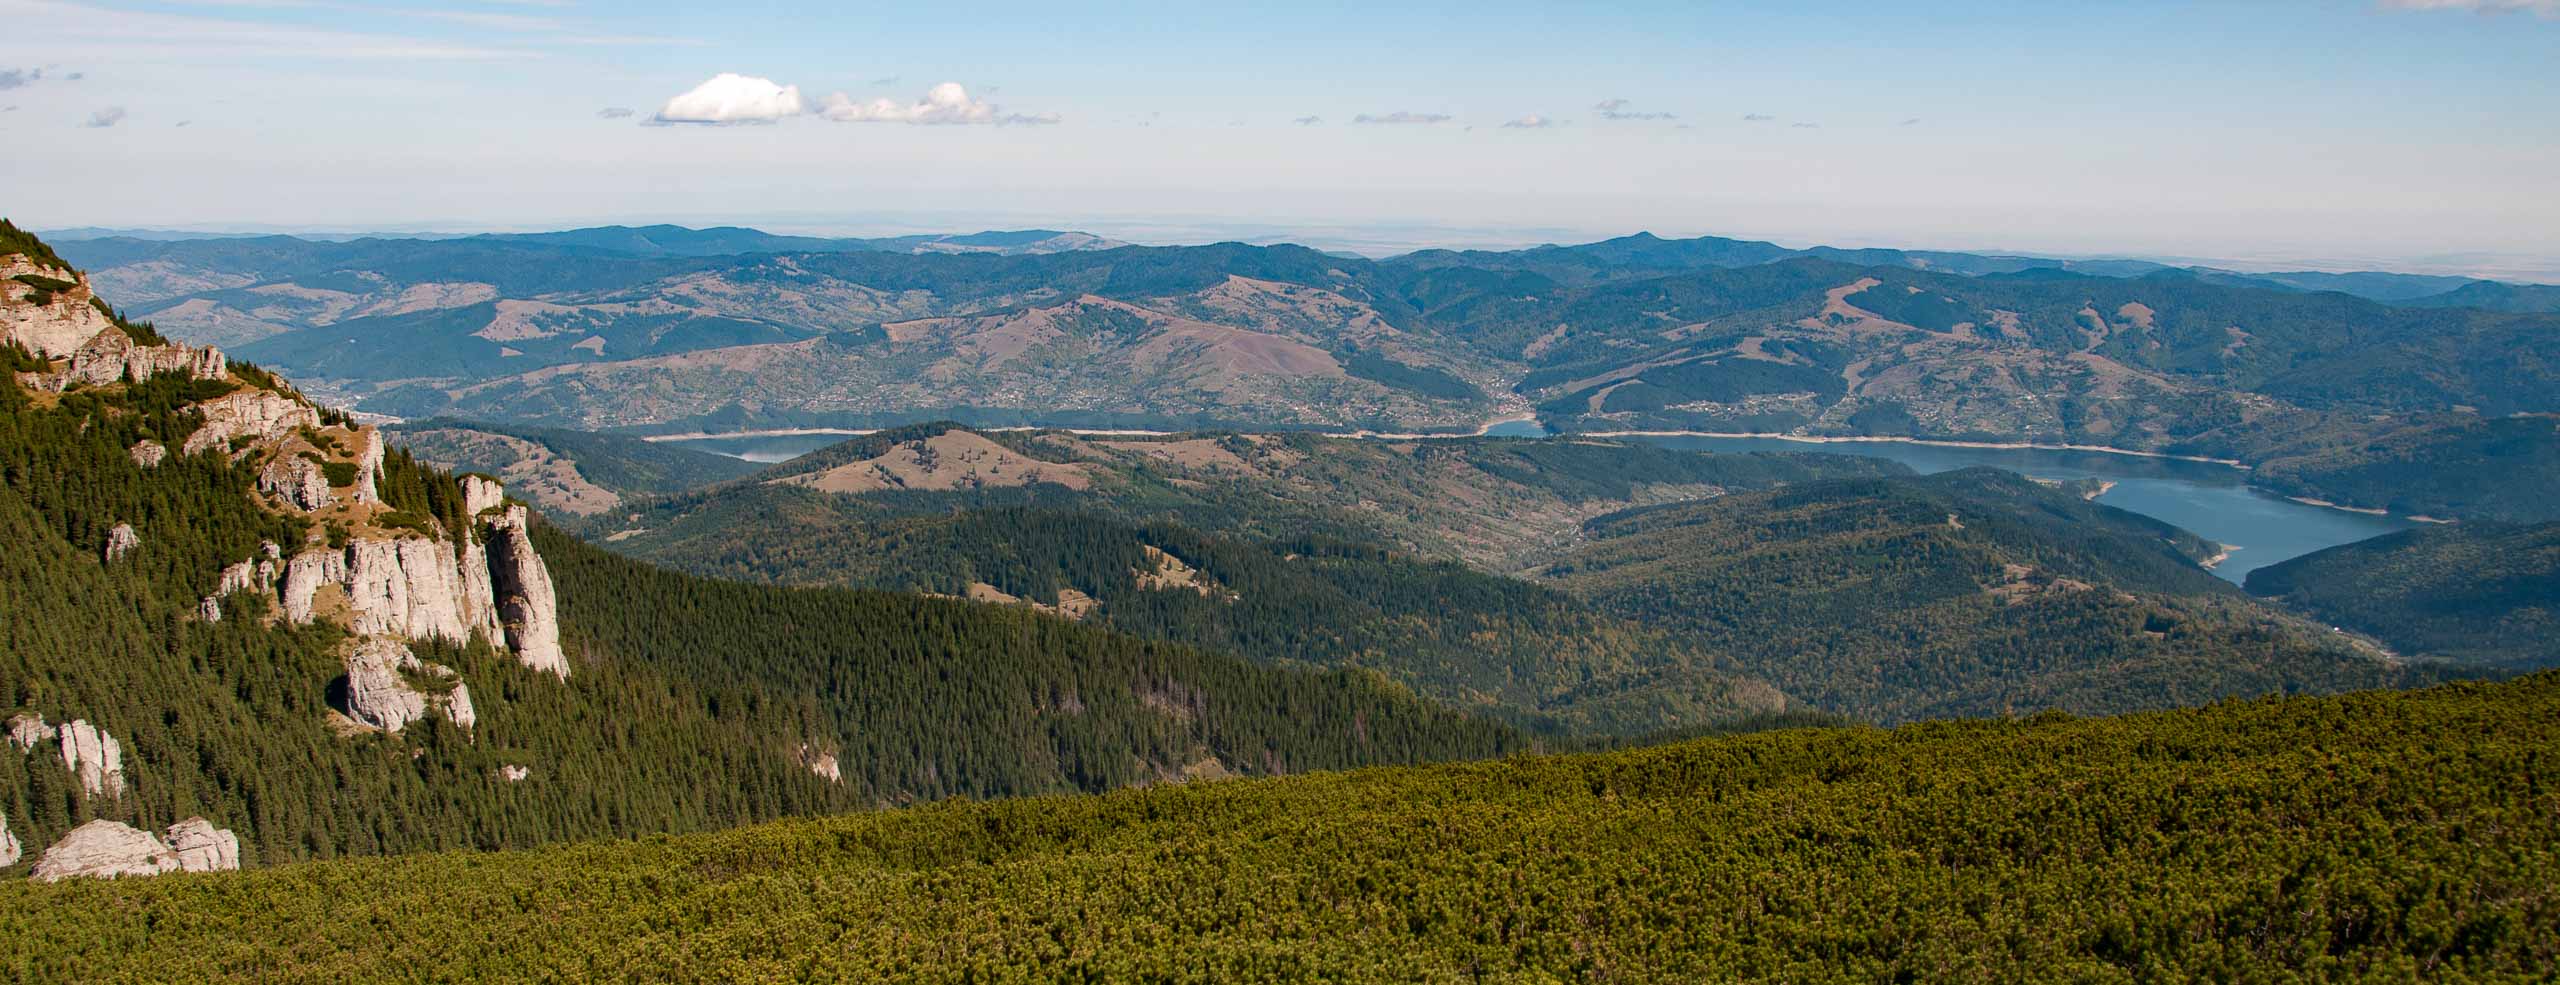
2215 501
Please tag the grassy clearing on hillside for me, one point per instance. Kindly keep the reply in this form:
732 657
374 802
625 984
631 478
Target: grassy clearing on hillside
2378 836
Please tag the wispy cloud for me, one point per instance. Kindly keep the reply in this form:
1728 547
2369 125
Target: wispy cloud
12 78
77 29
1758 118
1401 118
1308 121
943 105
1616 109
616 113
730 99
1530 122
2538 8
105 118
1808 126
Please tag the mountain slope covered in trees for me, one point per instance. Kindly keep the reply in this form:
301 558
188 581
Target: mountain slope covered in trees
161 506
2370 837
2475 593
1964 593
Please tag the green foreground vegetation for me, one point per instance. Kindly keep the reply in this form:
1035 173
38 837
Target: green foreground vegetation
2382 836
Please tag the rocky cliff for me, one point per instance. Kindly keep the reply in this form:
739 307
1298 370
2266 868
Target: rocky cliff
49 321
104 849
381 693
10 852
94 758
525 598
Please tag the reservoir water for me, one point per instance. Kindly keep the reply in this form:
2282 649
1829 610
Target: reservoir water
2215 501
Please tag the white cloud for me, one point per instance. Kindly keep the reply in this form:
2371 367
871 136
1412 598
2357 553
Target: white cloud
1616 109
615 113
730 98
1308 121
2539 8
948 103
105 118
1530 122
1757 118
1402 118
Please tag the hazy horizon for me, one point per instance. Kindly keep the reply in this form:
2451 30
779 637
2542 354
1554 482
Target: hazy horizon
2390 134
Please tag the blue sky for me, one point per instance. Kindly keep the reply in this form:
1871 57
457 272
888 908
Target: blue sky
2416 131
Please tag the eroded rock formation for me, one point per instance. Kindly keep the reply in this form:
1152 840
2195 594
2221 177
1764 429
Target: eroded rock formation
27 728
121 541
297 481
252 413
10 851
380 693
149 454
94 758
104 849
525 600
481 494
201 847
56 328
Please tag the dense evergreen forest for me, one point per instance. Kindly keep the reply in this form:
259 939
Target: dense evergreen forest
694 704
1973 592
1508 647
2382 836
2482 594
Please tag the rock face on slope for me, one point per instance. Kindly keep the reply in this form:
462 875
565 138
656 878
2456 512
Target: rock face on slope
94 758
380 693
104 849
201 847
27 728
10 851
149 454
259 414
525 599
121 541
481 494
296 481
57 327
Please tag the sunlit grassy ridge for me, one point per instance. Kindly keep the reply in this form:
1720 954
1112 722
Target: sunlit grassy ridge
2380 836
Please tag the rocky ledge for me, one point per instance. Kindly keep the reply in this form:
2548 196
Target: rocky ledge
104 849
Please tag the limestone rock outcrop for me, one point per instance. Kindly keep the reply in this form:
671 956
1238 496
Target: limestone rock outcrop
379 693
94 758
526 603
296 480
249 413
27 728
481 494
10 851
201 847
149 454
513 773
821 763
369 452
56 328
121 541
104 849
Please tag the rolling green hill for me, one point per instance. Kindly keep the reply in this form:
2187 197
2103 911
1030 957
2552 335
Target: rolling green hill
2367 837
565 472
1973 592
2475 593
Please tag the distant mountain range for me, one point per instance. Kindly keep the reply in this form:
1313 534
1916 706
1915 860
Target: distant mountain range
2383 390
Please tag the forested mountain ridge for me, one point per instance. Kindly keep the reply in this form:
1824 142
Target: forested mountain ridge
2385 836
1637 333
224 602
1756 584
1965 593
2481 594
